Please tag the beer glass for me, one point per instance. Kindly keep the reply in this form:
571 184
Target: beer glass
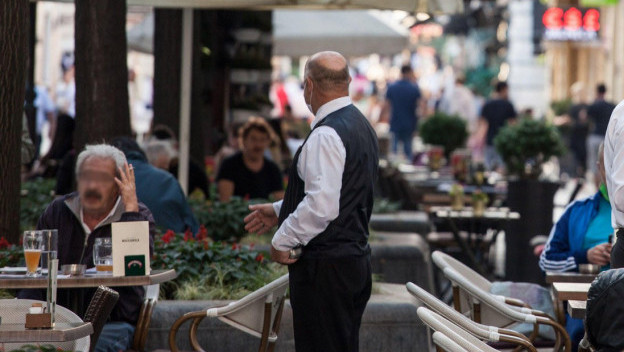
33 245
103 255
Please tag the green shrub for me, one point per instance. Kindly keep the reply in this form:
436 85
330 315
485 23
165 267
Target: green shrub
525 146
210 270
36 195
448 131
225 220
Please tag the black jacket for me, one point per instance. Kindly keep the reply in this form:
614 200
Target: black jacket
604 319
63 214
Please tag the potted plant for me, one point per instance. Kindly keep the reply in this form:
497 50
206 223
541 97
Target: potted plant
448 131
457 197
479 201
524 147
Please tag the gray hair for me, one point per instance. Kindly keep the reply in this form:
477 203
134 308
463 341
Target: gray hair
154 149
103 151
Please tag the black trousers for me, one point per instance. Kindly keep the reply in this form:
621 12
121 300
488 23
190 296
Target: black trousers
617 252
328 297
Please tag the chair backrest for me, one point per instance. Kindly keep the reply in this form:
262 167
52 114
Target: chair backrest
454 332
443 260
13 311
446 344
248 313
98 311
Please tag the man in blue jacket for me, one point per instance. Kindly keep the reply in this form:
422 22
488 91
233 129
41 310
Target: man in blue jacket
581 236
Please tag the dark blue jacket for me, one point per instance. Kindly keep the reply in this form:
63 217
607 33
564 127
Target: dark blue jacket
564 249
162 194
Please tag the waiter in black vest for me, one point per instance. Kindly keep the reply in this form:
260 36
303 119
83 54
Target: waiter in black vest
325 212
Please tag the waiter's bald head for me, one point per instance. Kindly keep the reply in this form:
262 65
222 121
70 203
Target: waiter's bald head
329 72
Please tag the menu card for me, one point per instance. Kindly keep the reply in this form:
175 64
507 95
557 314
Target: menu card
130 248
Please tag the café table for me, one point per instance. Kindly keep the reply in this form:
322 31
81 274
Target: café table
576 309
571 291
10 281
552 277
477 225
62 332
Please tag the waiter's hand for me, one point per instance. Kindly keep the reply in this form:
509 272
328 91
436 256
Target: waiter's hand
600 254
282 257
261 219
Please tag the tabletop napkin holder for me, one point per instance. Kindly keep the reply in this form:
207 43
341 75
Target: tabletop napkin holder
37 318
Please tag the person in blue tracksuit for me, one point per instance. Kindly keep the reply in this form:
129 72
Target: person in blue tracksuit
581 236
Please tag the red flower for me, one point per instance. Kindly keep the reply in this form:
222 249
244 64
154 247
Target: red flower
235 246
251 246
168 236
260 257
4 243
206 245
202 233
246 197
188 235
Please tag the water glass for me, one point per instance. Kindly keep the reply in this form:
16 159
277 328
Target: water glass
103 255
33 245
50 247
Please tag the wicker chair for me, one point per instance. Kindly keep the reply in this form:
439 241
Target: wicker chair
145 317
258 314
102 303
445 343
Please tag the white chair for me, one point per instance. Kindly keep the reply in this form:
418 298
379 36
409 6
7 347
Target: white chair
13 311
482 332
471 298
454 332
258 314
444 343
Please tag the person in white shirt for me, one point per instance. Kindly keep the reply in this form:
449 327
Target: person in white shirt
325 213
614 168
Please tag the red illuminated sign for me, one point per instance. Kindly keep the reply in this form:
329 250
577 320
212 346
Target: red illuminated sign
571 24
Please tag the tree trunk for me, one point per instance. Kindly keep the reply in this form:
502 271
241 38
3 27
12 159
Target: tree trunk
101 72
167 60
14 15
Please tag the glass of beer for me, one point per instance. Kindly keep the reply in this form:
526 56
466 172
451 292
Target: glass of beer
33 245
103 255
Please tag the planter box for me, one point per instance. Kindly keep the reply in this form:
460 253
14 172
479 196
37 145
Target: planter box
403 221
390 323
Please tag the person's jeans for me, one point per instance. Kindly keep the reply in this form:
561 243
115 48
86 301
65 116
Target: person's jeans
405 137
593 143
493 160
115 337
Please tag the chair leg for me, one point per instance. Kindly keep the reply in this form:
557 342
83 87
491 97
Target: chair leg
193 334
266 327
277 322
456 298
176 326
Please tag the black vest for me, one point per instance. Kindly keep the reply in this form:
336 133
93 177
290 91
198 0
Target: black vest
347 235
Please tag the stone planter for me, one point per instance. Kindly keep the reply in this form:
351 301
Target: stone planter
390 323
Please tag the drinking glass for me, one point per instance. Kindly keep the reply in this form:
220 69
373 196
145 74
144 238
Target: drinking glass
103 255
33 245
50 247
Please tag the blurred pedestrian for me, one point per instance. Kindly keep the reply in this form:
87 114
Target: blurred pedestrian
495 114
598 114
402 100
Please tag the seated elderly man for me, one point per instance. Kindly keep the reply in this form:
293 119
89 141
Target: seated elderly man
106 194
581 236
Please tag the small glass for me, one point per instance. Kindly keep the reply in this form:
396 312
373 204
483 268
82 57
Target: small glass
50 247
33 245
103 255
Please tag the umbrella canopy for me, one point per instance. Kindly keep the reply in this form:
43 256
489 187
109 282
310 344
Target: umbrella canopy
350 32
431 6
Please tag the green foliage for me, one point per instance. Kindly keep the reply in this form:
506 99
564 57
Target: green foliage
10 254
225 220
561 107
445 130
36 195
526 145
480 79
209 269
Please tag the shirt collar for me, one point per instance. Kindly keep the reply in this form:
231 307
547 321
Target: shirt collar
103 222
329 107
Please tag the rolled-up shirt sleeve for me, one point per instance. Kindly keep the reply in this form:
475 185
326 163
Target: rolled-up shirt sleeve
614 165
320 165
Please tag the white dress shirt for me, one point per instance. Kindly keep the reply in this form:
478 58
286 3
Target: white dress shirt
614 165
321 164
